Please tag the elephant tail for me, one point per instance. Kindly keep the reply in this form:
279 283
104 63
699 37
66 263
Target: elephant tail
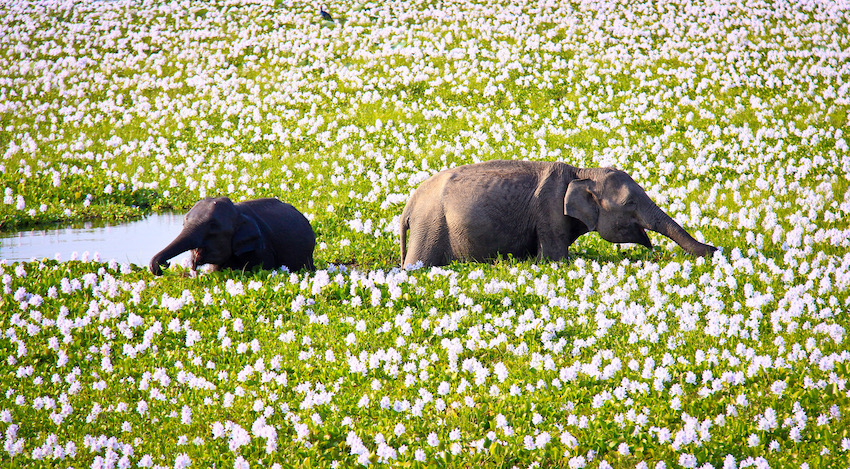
404 225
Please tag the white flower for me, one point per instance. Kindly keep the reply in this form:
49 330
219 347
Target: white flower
568 440
778 387
241 463
501 372
577 462
753 440
542 440
182 461
687 460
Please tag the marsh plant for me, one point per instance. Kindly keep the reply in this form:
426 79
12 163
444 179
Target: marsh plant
730 114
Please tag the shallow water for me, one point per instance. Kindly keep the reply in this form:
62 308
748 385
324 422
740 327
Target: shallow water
133 242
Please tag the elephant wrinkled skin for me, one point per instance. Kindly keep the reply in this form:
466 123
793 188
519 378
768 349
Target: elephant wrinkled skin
528 209
264 233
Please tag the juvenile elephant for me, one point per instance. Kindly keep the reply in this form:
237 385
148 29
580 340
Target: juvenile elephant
264 232
528 209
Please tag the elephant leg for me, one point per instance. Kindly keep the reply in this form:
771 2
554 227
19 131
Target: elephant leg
554 244
428 253
553 250
428 242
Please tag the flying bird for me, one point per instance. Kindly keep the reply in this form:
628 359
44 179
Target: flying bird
325 15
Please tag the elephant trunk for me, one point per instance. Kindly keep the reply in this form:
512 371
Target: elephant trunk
182 243
660 222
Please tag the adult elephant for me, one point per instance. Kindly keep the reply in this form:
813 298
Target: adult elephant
264 233
528 209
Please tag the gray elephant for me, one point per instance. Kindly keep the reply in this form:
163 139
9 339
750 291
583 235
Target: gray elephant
529 209
266 232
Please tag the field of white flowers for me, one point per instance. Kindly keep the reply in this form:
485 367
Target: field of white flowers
731 114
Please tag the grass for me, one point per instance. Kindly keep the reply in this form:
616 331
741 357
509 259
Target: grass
618 357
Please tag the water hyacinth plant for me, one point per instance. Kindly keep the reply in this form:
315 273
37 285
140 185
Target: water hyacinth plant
731 115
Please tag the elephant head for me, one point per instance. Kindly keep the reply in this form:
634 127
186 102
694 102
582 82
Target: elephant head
215 230
611 203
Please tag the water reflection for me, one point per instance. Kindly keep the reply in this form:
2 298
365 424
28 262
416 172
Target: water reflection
134 242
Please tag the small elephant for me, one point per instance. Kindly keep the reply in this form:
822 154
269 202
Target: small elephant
265 232
528 209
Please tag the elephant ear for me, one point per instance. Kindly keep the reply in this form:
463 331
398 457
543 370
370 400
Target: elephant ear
247 236
582 203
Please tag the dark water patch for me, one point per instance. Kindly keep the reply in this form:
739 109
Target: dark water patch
134 242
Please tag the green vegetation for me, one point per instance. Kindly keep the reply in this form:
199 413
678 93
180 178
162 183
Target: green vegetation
732 116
